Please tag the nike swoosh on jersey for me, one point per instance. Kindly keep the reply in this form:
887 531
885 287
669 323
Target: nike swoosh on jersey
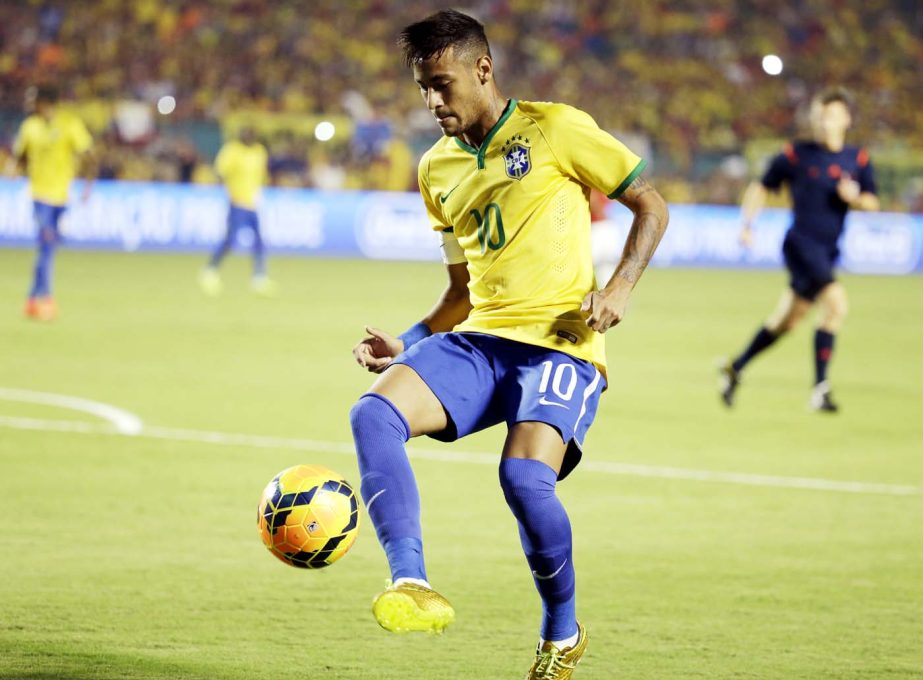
545 402
445 197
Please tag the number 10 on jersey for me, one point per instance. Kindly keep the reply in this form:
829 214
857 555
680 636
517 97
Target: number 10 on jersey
490 227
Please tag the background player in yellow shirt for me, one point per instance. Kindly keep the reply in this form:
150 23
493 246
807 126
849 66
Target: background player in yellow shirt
516 337
242 165
51 145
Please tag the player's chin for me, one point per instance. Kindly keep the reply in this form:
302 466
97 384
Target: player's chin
450 127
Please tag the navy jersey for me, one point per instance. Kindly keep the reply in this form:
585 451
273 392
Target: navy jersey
812 173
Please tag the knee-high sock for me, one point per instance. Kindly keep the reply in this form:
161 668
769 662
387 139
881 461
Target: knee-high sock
388 485
259 254
544 529
44 267
223 249
823 350
763 339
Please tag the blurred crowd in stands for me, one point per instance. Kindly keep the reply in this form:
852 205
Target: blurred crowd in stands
679 82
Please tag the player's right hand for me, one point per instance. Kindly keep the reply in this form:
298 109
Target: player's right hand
746 237
375 352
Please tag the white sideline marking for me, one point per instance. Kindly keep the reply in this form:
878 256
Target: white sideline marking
472 457
123 421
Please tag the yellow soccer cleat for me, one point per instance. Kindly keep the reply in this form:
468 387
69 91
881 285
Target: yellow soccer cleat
409 607
552 663
210 282
264 286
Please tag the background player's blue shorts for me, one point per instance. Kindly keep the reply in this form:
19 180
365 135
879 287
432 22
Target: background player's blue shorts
241 218
483 380
810 264
47 217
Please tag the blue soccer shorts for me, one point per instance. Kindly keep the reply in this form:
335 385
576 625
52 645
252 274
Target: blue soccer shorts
810 264
482 380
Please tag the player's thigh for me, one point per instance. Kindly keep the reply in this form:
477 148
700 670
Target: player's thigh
833 301
551 400
790 309
535 440
413 398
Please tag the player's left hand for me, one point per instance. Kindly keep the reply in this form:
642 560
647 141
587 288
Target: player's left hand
848 189
605 309
375 352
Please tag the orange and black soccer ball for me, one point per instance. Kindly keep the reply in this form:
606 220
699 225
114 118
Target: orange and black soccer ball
308 516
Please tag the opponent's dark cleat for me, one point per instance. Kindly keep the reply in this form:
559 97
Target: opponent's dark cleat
822 399
729 379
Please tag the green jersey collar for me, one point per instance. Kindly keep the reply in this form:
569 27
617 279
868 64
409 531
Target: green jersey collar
482 152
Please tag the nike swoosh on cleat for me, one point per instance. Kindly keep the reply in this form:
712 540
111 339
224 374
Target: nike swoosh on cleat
545 402
445 197
550 576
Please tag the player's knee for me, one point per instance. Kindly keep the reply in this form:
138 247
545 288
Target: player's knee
523 479
373 413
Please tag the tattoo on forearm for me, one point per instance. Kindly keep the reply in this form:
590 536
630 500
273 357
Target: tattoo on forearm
636 190
646 232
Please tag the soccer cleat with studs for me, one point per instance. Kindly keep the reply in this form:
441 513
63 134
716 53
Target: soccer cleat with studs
410 608
822 399
41 309
552 663
210 282
729 379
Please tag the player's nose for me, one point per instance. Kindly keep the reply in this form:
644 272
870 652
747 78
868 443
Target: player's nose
433 100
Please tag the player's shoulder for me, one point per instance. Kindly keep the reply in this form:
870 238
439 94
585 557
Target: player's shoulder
444 145
859 153
30 123
552 113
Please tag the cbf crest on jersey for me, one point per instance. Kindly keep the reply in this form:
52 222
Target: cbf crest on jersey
516 155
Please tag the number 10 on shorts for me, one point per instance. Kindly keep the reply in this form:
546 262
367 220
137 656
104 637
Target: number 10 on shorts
562 379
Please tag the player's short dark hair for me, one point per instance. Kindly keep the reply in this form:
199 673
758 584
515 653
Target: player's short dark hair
836 94
440 31
47 94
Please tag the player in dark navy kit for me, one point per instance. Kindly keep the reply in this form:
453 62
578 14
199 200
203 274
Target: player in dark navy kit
826 178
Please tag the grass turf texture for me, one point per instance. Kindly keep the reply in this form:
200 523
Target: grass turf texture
139 558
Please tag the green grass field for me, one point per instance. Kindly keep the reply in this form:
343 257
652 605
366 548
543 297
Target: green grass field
138 557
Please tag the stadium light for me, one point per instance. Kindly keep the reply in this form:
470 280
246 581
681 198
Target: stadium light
166 105
324 131
772 64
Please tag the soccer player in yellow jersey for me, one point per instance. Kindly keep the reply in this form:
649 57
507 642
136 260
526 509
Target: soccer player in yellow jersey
516 337
51 144
242 165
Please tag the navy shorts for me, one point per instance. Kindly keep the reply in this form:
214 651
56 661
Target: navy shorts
482 380
810 264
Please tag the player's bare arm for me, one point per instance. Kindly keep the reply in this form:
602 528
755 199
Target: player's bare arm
89 169
606 307
850 192
376 351
751 206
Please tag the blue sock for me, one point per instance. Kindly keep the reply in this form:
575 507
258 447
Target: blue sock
388 485
823 350
762 340
259 254
44 263
544 529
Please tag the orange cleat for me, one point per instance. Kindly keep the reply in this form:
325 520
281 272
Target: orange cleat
41 309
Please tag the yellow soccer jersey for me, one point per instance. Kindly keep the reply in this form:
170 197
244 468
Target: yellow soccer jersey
519 207
52 148
242 168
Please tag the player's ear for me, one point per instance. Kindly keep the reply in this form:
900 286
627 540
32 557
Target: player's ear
485 69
